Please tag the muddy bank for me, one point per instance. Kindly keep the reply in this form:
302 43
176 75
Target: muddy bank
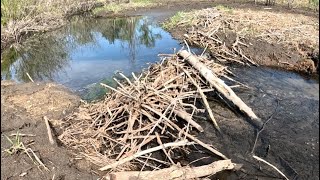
249 39
290 140
22 109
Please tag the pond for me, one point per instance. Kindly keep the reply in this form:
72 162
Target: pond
88 51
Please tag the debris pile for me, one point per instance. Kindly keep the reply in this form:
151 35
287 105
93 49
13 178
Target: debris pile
147 119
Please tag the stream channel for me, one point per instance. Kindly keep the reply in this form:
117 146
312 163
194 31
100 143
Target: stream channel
88 51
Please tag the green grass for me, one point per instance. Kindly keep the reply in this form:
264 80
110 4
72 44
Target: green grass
117 7
113 7
176 19
225 8
16 145
314 3
12 9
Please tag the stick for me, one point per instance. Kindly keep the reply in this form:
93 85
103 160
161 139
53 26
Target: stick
128 95
214 151
163 148
264 124
127 159
185 116
175 172
30 77
220 86
204 99
48 130
266 162
188 135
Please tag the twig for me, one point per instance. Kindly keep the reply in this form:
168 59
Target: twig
204 99
258 133
30 77
187 45
48 130
185 116
127 159
266 162
163 148
22 135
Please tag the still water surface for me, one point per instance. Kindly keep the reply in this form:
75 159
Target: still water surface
88 51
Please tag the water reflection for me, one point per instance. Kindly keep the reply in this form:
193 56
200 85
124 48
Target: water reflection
86 51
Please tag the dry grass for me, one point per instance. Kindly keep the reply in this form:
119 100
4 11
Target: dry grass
51 98
274 27
20 18
296 31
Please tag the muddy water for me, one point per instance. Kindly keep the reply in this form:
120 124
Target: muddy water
290 140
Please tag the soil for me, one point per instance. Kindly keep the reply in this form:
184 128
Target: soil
22 109
24 105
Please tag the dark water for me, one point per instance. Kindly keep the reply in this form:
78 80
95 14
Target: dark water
290 139
88 51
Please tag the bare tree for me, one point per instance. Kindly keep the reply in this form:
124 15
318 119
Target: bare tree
268 2
290 3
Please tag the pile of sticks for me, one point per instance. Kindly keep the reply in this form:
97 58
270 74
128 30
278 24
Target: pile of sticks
206 29
210 27
150 113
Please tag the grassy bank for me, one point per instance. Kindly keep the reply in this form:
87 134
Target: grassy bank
24 17
115 7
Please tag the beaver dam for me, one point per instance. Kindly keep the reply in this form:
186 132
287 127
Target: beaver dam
150 113
210 113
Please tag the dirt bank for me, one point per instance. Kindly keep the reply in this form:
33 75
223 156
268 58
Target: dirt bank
22 109
285 40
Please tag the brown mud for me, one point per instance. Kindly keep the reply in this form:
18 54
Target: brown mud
22 109
290 141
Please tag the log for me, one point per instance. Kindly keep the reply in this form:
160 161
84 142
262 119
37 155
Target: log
175 172
220 86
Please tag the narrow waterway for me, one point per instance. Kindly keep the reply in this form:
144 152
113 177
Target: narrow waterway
89 51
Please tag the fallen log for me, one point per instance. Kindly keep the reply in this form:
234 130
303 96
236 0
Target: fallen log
220 86
175 172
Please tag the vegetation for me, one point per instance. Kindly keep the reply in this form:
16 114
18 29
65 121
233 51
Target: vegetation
117 7
177 19
25 17
16 145
224 8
